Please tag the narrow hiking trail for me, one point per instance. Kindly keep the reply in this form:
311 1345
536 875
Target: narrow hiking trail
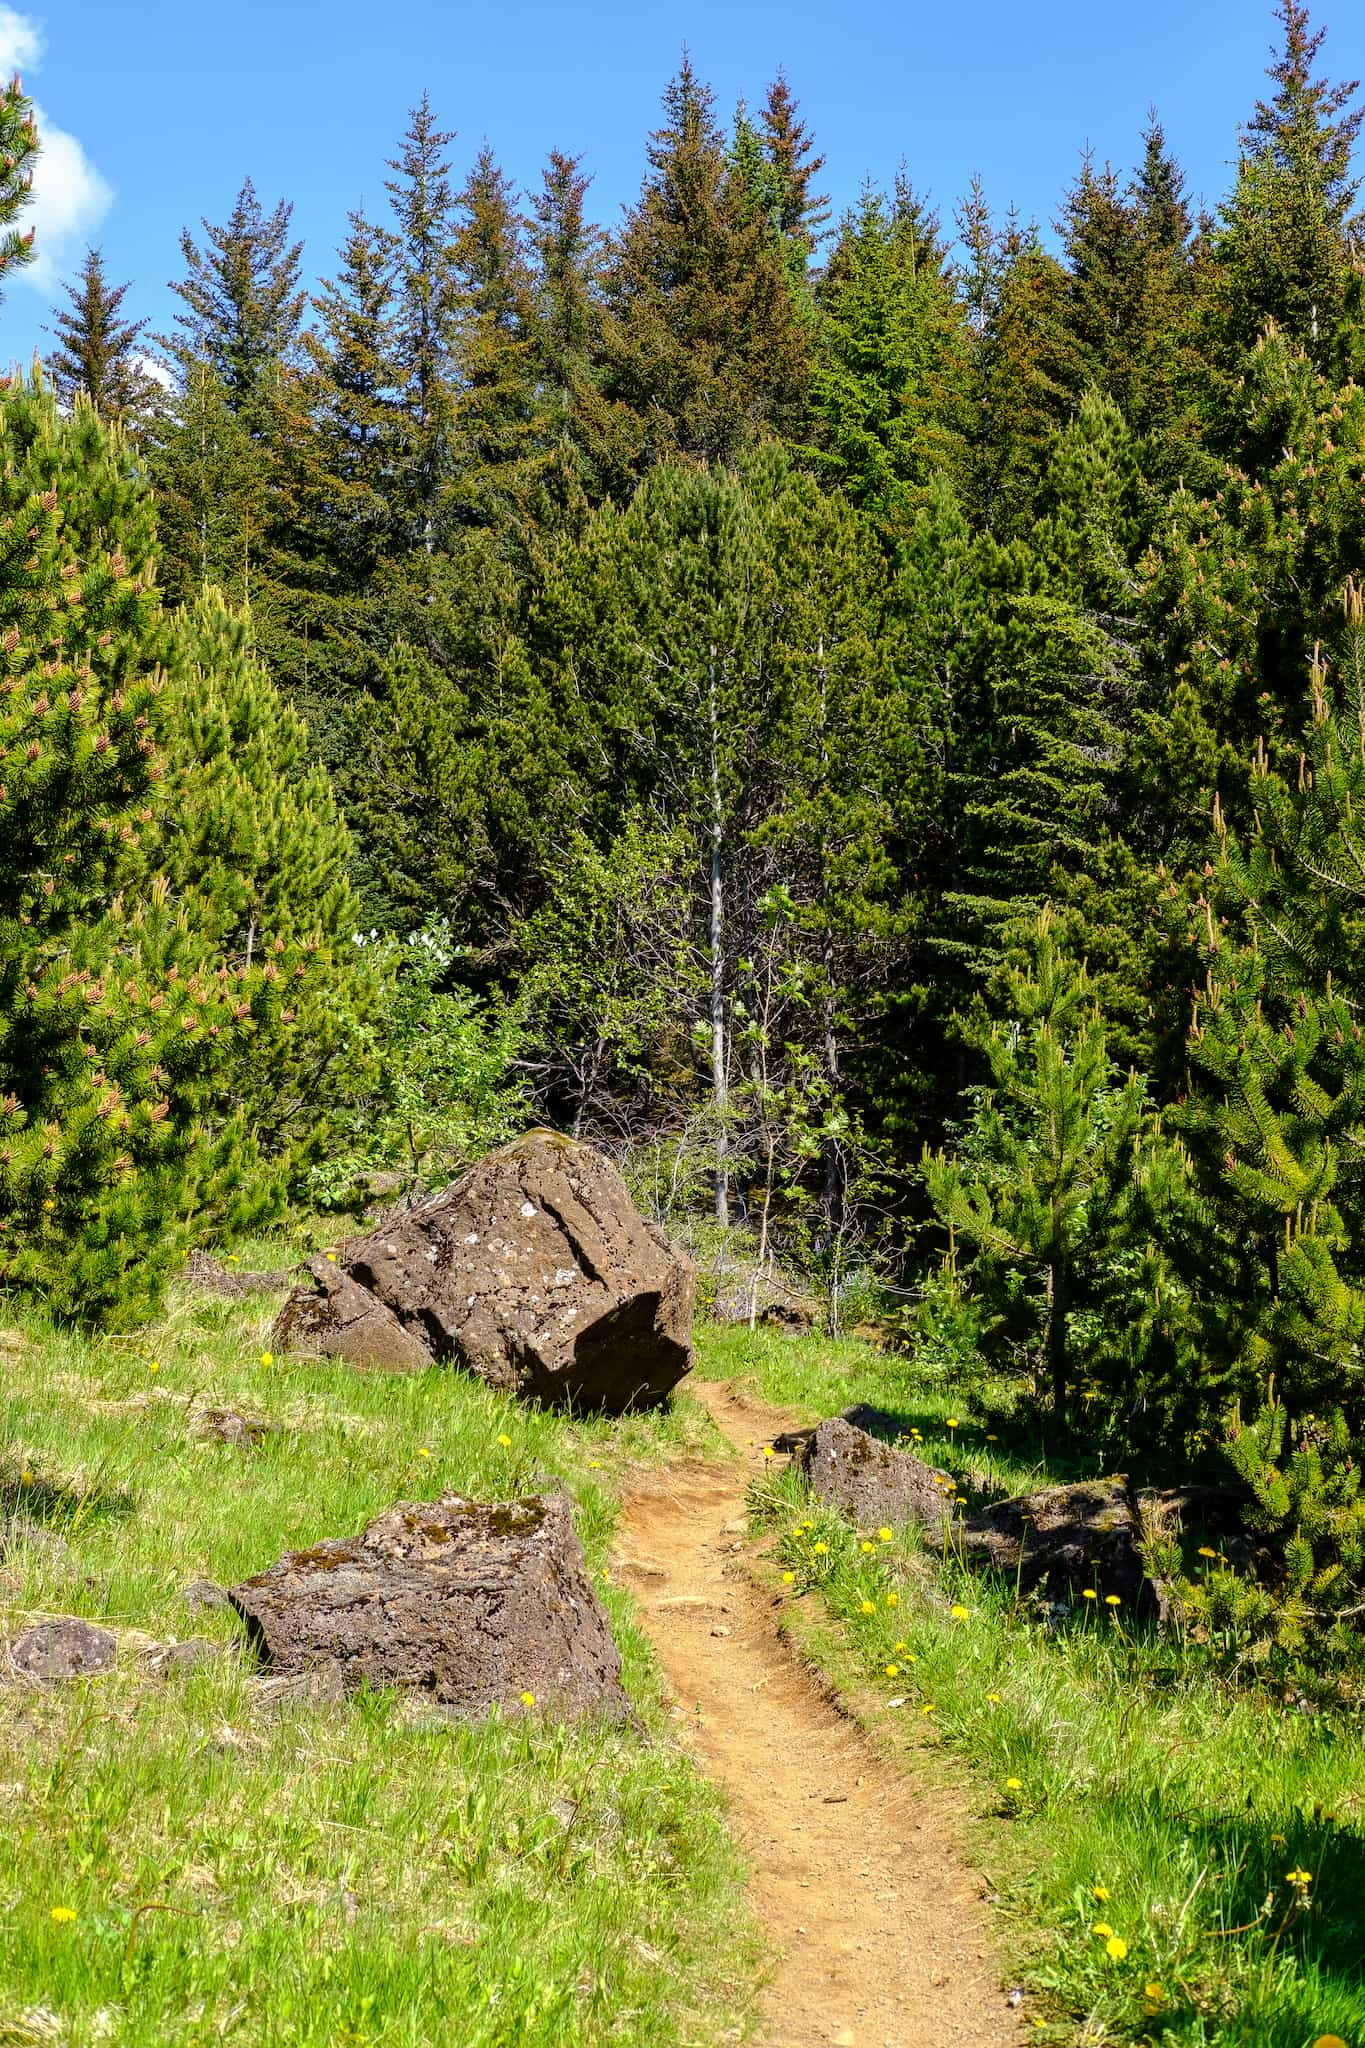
878 1928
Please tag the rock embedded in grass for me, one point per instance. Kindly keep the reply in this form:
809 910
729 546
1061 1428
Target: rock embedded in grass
472 1603
56 1651
869 1481
533 1270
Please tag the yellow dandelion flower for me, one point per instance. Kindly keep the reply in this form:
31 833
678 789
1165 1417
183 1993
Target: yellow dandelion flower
789 1578
63 1915
928 1708
1154 1994
960 1613
528 1699
1116 1948
1090 1594
422 1451
992 1439
606 1576
952 1422
869 1607
1299 1877
506 1442
1112 1600
893 1599
155 1365
893 1670
885 1535
331 1258
820 1549
26 1477
993 1698
594 1464
1100 1892
1277 1841
1204 1551
867 1548
1103 1929
50 1204
1014 1784
1329 2041
898 1646
267 1358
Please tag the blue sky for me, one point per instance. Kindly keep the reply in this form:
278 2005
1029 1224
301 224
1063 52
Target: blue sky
155 113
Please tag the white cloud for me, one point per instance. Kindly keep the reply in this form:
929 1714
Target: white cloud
21 42
70 197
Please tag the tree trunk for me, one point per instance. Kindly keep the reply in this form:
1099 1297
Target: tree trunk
720 1094
1058 1300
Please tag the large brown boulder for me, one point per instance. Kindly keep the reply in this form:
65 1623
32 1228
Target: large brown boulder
1066 1541
472 1603
534 1269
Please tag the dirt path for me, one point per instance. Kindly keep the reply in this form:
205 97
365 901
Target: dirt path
879 1930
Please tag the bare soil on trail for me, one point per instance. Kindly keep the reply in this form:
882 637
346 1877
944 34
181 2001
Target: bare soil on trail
878 1927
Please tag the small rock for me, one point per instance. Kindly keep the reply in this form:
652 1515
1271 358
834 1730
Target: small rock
224 1426
171 1660
58 1650
721 1630
202 1595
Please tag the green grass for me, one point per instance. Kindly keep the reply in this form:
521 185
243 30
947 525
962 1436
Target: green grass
308 1873
1141 1773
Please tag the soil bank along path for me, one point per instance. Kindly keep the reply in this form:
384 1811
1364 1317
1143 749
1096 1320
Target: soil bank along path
878 1928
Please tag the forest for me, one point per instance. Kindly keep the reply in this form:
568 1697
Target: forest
861 719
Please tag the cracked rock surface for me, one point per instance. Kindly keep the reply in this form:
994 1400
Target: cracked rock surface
534 1270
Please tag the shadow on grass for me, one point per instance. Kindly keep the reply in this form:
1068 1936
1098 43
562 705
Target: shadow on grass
28 1494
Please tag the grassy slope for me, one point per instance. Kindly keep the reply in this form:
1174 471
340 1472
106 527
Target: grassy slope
1151 1799
312 1873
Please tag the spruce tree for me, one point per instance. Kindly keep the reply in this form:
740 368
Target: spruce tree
705 343
586 438
889 380
243 303
802 214
496 415
1283 249
19 149
98 352
424 227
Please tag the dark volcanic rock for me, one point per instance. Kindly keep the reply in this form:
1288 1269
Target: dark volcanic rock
533 1269
202 1596
472 1603
870 1482
57 1650
1066 1539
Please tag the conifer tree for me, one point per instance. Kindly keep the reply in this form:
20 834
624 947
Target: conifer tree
1055 1181
496 404
243 303
98 352
1283 249
889 381
424 226
1276 1118
118 1005
705 342
586 438
802 214
19 149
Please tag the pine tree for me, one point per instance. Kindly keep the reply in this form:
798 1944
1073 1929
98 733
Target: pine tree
1054 1183
19 149
705 342
356 400
118 1007
98 352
